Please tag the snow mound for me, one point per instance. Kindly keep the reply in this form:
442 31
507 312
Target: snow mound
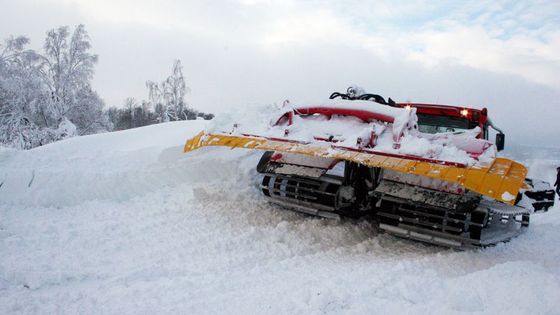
125 223
116 166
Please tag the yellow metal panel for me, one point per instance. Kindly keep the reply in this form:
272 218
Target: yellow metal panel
501 179
473 179
491 185
421 168
454 174
438 171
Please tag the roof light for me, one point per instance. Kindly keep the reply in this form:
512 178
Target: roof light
464 112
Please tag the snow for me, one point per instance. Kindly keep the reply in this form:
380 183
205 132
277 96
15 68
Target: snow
66 129
450 147
507 196
125 223
394 112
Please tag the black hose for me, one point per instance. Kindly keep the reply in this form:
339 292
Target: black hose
364 97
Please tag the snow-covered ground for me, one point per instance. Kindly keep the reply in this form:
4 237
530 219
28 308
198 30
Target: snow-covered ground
124 223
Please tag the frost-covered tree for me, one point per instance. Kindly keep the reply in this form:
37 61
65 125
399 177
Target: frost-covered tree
67 68
174 90
20 94
166 102
47 97
87 113
168 97
155 97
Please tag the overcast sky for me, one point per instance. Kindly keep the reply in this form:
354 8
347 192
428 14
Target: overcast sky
504 55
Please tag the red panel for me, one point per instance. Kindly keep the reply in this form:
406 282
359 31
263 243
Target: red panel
364 115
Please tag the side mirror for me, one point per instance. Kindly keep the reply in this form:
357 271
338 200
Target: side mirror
500 141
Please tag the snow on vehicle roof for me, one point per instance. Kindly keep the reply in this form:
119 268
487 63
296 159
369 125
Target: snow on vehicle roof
358 105
347 129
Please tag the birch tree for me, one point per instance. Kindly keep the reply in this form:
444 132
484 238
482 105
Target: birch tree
47 97
67 68
20 93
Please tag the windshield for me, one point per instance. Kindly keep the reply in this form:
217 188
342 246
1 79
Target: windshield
437 124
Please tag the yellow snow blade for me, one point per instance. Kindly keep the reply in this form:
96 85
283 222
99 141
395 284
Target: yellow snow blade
501 180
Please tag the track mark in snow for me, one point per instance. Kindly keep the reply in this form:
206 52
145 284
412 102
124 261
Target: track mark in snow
32 178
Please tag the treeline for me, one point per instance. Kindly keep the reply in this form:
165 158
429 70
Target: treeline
138 114
47 96
166 103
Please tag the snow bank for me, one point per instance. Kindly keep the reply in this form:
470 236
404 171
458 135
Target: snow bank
116 165
124 223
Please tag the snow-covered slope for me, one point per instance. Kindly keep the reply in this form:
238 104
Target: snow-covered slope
124 223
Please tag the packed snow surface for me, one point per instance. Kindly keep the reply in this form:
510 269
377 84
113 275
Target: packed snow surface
124 223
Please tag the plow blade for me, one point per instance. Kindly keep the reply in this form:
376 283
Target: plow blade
501 180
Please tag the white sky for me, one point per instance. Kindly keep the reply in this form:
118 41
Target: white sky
504 55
